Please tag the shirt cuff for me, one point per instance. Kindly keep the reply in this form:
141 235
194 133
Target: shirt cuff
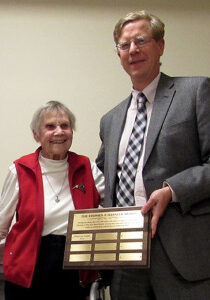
174 197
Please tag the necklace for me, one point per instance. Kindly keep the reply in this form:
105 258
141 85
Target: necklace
57 199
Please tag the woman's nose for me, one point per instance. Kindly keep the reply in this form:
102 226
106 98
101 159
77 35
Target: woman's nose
58 130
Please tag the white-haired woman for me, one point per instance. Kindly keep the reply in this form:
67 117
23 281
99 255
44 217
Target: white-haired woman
41 189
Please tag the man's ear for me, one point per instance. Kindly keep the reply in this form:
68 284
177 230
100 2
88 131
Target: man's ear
161 44
36 136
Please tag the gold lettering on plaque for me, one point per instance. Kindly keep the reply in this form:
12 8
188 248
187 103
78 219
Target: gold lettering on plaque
105 257
105 246
130 256
131 235
79 257
77 237
131 246
108 220
106 236
80 247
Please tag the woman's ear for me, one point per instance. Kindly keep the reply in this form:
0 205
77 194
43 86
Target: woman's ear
36 137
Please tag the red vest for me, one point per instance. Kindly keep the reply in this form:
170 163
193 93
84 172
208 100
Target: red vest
23 241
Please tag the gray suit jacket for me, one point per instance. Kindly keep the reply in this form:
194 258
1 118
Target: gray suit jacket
177 151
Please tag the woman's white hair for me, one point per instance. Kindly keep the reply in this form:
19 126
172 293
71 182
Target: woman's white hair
49 107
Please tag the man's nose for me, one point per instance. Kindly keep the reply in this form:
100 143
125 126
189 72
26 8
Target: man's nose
133 48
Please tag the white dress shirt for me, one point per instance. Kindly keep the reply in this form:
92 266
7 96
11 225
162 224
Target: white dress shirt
149 92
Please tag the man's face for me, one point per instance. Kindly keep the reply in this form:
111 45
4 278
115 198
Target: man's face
141 63
55 135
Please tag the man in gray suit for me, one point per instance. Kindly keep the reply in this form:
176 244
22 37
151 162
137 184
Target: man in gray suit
173 175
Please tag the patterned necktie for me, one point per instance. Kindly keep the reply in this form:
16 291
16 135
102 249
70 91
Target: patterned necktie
125 192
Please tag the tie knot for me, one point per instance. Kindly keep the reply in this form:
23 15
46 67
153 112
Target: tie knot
141 99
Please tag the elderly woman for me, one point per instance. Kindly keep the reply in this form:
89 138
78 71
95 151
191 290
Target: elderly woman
40 190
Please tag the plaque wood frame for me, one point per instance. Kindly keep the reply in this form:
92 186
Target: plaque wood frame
107 238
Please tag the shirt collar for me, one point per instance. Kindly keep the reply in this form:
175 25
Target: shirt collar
51 163
149 91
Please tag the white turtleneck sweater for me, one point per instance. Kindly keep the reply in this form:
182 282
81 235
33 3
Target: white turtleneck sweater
55 182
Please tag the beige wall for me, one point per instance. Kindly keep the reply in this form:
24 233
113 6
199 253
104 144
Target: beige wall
64 50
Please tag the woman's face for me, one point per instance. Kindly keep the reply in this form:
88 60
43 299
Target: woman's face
55 135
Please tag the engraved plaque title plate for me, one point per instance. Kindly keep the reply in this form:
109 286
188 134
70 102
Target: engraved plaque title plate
107 238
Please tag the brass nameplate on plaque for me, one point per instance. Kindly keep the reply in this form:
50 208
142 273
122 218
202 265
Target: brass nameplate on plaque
107 238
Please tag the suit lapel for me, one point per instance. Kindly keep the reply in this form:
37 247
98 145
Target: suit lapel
162 102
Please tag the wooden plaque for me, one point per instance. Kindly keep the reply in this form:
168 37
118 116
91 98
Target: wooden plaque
107 238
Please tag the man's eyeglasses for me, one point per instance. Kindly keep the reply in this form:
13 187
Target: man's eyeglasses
140 42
